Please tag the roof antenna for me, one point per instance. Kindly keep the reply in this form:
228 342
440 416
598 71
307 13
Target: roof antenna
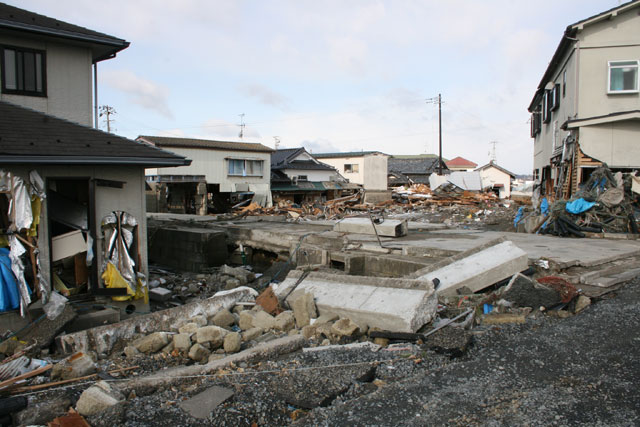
241 125
277 141
492 153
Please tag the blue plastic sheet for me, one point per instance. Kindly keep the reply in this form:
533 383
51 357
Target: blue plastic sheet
544 206
9 294
519 216
579 206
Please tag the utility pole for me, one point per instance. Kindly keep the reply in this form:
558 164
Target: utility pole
241 125
438 101
492 153
277 141
107 111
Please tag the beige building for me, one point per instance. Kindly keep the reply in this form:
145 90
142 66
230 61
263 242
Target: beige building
81 176
367 168
497 179
586 110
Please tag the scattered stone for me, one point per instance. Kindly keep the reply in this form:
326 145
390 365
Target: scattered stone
525 292
560 314
188 328
344 328
263 320
245 321
74 366
199 353
502 318
581 303
304 308
223 318
168 348
152 342
9 346
43 411
199 320
210 334
97 398
131 351
232 284
182 341
324 329
243 276
232 342
251 334
216 356
327 318
284 321
201 405
452 341
159 294
382 342
309 331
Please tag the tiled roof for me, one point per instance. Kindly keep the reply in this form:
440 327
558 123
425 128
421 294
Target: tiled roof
345 154
284 159
32 137
16 19
461 162
164 141
282 155
414 166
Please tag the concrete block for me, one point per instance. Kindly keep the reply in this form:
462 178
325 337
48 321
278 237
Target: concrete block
400 305
263 320
344 328
188 328
198 352
201 405
232 342
159 294
97 398
304 308
211 334
525 292
182 341
390 227
245 322
251 334
479 270
152 342
223 318
285 321
75 366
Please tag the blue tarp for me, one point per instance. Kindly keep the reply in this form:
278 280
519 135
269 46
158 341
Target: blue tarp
518 217
544 207
9 294
578 206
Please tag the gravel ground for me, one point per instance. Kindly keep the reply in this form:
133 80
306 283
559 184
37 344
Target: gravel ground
582 370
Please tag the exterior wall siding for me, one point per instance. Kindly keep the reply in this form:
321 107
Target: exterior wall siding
68 79
213 165
375 172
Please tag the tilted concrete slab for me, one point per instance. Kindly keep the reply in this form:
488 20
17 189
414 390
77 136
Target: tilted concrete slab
399 305
102 339
478 270
389 227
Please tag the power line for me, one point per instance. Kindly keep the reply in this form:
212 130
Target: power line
106 110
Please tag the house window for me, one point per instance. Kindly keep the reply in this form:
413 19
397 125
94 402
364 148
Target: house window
351 168
555 97
536 123
239 167
23 71
546 107
302 178
623 76
564 83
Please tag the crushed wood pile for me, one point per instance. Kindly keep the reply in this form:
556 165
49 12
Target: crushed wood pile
606 203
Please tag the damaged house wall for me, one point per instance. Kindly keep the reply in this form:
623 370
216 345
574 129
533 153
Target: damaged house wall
603 122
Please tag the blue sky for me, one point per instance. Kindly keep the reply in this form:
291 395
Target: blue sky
330 75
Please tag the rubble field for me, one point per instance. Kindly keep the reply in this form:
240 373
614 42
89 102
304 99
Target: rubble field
369 321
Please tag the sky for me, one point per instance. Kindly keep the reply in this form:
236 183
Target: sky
330 75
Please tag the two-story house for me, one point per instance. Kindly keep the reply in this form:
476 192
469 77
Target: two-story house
586 109
221 171
80 183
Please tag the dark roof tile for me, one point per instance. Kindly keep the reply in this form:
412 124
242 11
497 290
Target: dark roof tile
164 141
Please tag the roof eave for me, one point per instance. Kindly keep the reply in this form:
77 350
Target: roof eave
94 160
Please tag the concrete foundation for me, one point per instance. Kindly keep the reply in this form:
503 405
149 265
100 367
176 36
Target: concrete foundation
373 196
102 339
400 305
389 227
478 270
187 249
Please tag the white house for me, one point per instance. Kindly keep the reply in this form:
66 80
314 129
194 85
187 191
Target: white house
497 179
367 168
586 109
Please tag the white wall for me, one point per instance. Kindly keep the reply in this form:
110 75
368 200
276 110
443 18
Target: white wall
616 144
375 172
492 176
312 175
339 162
212 164
68 78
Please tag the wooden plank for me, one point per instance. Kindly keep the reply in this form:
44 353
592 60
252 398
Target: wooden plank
72 380
11 381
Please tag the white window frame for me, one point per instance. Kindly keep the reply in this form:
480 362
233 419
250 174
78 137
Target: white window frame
353 168
610 67
244 168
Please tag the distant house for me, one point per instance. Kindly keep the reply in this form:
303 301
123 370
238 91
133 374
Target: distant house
84 179
497 179
461 164
403 170
586 108
367 168
221 173
297 176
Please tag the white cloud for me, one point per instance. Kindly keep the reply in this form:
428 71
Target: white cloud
265 96
140 91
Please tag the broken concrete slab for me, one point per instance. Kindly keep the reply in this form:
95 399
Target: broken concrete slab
103 338
304 308
389 227
74 366
198 352
232 342
223 318
188 248
479 270
152 342
160 294
402 305
201 405
182 341
214 335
